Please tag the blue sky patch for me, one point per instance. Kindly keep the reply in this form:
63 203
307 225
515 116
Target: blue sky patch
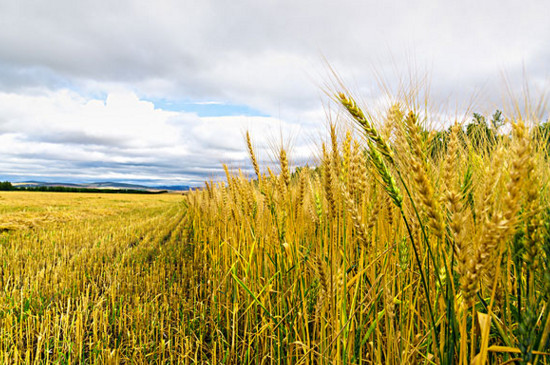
207 109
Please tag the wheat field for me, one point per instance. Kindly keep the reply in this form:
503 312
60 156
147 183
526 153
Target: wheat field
402 245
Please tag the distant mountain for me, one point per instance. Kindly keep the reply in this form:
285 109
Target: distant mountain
103 185
114 185
172 187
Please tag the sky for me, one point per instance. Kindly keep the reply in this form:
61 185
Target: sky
162 92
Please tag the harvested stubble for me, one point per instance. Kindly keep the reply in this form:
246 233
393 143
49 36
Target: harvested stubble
108 282
389 252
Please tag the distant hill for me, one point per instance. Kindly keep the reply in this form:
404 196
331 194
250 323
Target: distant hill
101 185
173 187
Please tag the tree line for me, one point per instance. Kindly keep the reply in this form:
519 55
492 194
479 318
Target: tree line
483 135
8 186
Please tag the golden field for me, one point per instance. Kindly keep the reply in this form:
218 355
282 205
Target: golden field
403 245
94 278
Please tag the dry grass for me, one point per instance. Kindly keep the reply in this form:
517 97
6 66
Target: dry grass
92 278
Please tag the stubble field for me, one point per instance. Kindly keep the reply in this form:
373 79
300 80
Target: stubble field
93 278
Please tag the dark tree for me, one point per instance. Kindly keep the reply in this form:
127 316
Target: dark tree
5 186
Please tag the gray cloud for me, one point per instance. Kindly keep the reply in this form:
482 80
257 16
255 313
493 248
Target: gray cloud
62 61
261 52
74 138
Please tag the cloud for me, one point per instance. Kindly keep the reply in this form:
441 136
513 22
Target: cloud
63 134
81 81
260 52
